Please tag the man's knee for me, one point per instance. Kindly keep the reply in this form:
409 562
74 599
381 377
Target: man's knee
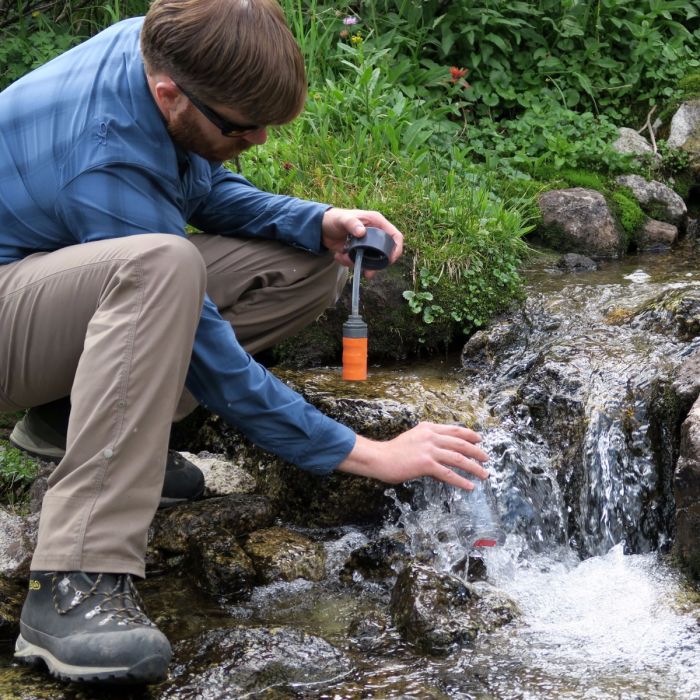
173 259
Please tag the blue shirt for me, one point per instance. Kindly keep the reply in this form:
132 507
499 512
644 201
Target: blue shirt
85 155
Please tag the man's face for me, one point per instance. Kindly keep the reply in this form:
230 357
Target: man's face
192 131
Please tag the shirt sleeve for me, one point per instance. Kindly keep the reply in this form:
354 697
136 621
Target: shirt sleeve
118 200
235 207
222 376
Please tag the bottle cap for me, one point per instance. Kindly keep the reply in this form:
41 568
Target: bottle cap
377 247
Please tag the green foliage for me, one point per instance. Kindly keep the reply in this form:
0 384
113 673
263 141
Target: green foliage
549 138
611 55
17 472
28 45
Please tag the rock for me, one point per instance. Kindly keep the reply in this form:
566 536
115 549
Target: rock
656 199
686 488
573 262
673 312
246 662
632 142
279 554
178 536
657 235
436 612
222 568
579 220
221 476
12 594
375 561
17 542
684 132
686 385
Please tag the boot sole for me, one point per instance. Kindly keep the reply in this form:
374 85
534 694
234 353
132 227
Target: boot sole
152 669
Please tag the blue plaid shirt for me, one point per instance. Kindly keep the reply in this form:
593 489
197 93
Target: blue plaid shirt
85 155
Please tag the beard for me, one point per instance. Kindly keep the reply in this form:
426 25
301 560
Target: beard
187 133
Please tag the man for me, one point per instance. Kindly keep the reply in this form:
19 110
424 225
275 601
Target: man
106 154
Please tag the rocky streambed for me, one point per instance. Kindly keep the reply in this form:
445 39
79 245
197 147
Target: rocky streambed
283 585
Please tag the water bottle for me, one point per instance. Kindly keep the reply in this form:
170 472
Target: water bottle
485 524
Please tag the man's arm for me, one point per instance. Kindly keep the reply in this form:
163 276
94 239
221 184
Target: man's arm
235 207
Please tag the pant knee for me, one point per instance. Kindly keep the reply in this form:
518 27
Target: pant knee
174 262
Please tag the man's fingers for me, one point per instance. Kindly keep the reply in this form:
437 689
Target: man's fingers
453 479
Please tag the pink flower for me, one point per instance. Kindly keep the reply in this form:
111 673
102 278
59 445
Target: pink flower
347 21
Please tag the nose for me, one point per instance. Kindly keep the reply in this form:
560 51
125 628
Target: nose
256 137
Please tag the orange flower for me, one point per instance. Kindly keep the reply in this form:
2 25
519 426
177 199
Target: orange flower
457 73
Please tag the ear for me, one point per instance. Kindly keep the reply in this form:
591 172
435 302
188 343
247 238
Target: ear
167 96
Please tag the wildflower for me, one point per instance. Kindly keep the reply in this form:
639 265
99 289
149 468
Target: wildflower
356 39
344 34
287 165
457 73
349 21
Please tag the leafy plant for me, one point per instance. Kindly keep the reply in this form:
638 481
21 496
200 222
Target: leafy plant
17 472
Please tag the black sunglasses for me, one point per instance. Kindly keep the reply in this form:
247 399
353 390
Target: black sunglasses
228 128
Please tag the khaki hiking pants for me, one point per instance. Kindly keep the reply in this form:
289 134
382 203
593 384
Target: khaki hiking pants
112 324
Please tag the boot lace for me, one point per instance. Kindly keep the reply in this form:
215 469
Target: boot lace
122 603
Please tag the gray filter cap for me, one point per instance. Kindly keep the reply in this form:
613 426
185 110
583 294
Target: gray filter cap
376 246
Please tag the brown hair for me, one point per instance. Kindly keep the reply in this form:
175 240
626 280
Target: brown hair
238 53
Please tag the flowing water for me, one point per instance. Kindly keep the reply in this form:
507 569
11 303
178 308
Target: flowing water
569 410
604 615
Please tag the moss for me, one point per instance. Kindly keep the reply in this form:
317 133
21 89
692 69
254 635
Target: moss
690 85
629 214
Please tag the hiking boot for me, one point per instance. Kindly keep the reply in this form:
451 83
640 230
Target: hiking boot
42 433
90 627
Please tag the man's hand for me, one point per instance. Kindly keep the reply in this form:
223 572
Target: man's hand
338 224
429 449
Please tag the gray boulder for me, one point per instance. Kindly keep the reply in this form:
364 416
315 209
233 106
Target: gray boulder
657 235
684 133
578 220
632 142
658 200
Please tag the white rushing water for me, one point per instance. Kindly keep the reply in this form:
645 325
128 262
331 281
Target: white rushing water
604 615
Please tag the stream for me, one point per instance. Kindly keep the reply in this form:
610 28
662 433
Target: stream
567 412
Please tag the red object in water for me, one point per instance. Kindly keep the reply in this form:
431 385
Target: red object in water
485 543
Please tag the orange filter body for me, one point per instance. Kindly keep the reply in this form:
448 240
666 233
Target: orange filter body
355 359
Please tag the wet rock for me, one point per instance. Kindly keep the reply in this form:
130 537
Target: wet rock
221 476
657 235
279 554
686 487
658 200
369 633
177 534
436 612
245 662
12 594
686 385
578 220
673 312
573 262
222 568
376 561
